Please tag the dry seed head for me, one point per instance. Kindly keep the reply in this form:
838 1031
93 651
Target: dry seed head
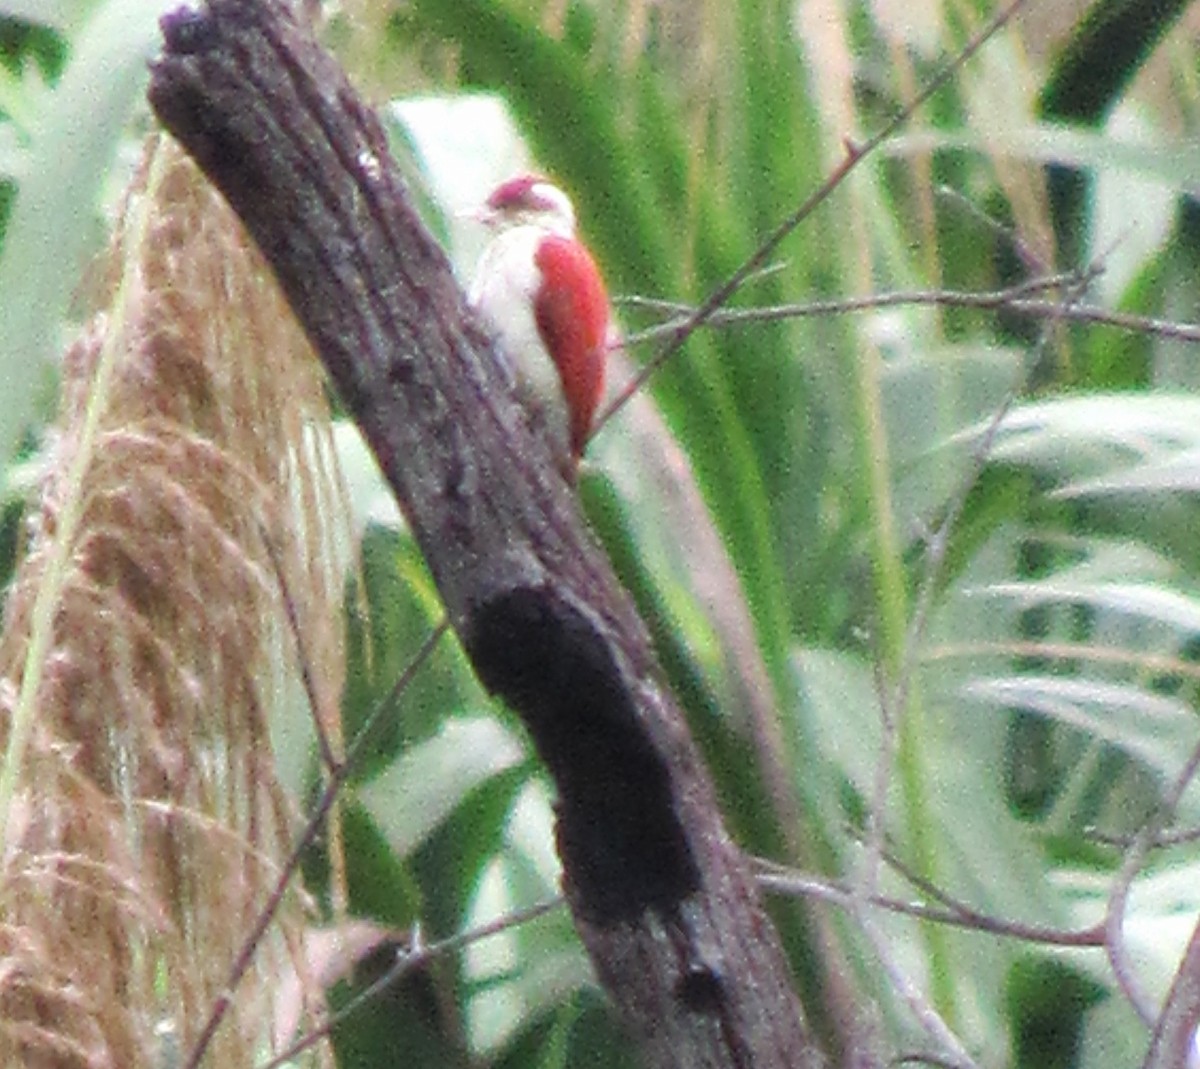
147 824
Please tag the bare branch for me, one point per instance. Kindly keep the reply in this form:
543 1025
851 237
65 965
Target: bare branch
776 879
1012 299
409 961
1135 857
975 299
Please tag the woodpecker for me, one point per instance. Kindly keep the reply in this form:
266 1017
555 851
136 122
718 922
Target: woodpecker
539 292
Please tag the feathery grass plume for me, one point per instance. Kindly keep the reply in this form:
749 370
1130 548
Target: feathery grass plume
146 643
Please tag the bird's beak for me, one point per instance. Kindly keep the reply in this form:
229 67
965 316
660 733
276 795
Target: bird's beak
482 215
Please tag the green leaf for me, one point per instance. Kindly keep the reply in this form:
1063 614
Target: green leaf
1157 731
388 619
56 13
421 789
1173 163
55 223
1103 54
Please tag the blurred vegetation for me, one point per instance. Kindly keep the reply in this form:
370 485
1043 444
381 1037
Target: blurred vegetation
776 503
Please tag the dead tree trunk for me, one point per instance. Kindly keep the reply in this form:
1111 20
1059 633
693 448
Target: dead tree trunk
662 898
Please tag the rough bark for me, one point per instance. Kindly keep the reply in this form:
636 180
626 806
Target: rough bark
662 898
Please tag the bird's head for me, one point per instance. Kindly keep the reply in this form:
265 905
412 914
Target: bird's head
529 200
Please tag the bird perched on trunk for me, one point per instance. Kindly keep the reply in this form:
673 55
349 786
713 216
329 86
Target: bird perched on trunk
539 292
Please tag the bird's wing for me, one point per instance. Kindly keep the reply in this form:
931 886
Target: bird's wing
572 317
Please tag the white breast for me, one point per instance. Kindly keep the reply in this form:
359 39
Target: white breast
503 293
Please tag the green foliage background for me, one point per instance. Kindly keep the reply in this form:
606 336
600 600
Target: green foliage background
775 525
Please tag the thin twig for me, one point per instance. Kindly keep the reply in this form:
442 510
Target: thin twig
986 299
1011 299
337 779
1007 299
893 702
1114 918
1163 840
855 154
855 901
938 544
779 880
1163 328
328 757
885 762
969 917
932 1022
406 963
1028 256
